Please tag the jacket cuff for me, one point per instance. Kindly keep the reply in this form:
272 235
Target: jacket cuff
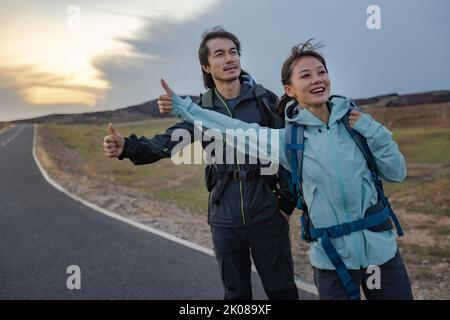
366 125
126 153
180 105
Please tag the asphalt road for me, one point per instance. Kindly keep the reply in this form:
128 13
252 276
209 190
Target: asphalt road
43 232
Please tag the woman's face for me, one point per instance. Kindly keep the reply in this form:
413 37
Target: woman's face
310 84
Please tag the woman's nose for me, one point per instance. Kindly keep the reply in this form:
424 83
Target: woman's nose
316 79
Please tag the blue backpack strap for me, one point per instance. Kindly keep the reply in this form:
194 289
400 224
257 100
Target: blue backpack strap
349 285
295 145
339 230
295 142
361 142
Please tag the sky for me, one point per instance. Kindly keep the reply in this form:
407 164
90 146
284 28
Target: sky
86 56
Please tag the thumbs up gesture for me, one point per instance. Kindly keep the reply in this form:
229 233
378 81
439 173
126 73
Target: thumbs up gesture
113 144
165 100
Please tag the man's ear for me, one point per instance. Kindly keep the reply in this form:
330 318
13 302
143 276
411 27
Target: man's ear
206 68
289 90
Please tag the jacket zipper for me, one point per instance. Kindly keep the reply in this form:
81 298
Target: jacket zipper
239 167
342 190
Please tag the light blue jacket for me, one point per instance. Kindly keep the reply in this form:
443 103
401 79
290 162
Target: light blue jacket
337 183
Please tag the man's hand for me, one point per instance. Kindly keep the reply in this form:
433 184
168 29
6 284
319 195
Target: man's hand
113 143
353 117
165 100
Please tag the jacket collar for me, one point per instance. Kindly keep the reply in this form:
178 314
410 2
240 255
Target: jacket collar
247 91
339 106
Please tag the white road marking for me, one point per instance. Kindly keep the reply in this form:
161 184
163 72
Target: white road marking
4 143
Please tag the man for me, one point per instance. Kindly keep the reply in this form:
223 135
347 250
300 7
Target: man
248 211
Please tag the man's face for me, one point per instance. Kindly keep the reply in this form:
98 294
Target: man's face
224 60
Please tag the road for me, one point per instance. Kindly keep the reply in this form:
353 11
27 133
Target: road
43 232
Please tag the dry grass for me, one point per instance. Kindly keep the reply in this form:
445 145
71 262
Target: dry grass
4 126
422 202
424 116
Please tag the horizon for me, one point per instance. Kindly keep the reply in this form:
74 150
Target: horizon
154 99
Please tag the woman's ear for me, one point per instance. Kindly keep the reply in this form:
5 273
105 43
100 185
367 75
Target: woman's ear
289 90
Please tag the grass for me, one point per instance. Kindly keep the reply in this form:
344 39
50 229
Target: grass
162 180
3 125
426 254
426 150
424 145
426 188
424 194
184 183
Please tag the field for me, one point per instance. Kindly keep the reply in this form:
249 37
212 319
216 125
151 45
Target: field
174 198
3 125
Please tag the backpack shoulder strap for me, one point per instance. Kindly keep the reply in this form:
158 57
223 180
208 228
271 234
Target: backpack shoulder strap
270 116
295 137
207 99
259 90
361 142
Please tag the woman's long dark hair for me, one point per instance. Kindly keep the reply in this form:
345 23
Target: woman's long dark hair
299 51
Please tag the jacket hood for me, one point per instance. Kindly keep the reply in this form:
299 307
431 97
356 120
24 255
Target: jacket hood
247 91
339 106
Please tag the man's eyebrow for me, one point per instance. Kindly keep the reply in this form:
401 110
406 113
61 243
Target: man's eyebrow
223 50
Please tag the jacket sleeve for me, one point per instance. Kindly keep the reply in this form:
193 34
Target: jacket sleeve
233 128
288 201
144 151
390 161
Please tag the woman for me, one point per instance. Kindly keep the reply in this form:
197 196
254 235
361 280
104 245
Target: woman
337 185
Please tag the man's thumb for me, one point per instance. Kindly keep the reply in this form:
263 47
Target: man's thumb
111 129
166 87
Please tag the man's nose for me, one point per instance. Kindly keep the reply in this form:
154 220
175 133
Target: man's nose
229 58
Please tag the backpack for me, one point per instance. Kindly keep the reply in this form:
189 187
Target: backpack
376 218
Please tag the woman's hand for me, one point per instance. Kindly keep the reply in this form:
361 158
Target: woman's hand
165 105
353 117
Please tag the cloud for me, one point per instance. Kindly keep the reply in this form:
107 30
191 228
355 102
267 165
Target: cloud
126 69
56 65
36 87
362 62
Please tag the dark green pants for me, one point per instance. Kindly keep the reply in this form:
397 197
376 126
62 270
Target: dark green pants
269 245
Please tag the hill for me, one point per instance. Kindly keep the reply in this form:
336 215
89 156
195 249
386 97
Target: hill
144 111
148 110
396 100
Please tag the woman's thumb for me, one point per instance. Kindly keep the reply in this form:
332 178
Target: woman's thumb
166 87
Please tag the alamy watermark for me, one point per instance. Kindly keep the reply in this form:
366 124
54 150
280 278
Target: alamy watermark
74 280
236 146
374 20
374 281
73 22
